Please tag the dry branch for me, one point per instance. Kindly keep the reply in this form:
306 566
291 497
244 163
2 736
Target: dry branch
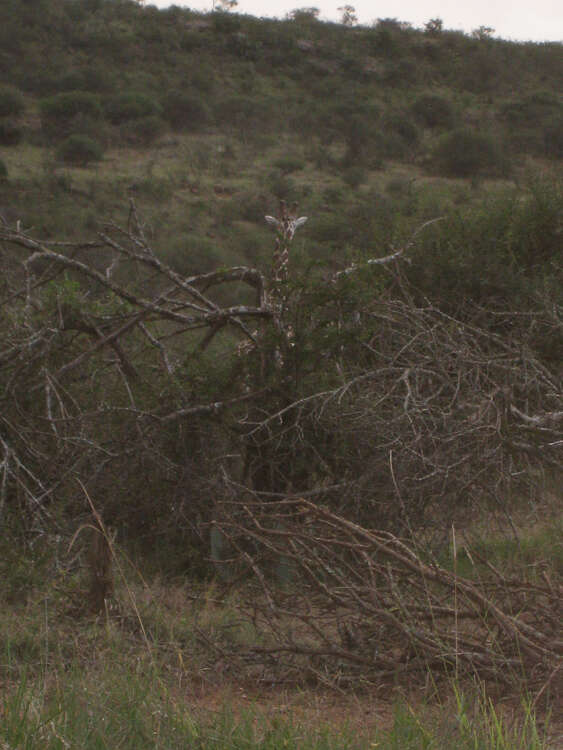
384 608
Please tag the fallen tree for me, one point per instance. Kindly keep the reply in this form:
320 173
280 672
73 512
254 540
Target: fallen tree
365 605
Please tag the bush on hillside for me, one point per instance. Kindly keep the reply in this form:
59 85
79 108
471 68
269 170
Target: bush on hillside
10 133
289 163
499 252
131 106
185 111
79 150
531 110
91 79
399 138
59 111
143 131
433 111
235 112
553 138
405 128
11 102
466 153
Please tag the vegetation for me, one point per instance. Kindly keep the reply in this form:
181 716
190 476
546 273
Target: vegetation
343 482
11 102
79 150
464 153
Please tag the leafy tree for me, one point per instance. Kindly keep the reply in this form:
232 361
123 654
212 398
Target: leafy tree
466 153
434 26
433 111
185 110
348 15
483 32
304 14
224 5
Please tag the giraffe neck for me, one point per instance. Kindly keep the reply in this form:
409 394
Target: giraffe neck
280 262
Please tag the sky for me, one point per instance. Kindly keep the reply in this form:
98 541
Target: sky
521 20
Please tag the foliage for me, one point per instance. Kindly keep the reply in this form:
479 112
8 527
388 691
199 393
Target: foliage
466 153
289 163
483 32
10 133
79 150
59 112
553 138
501 251
11 102
433 111
142 131
532 109
348 15
304 15
3 171
185 110
131 106
434 26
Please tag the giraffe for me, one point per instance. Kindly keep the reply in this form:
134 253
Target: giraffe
286 224
259 461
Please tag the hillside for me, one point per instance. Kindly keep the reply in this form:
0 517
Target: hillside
209 119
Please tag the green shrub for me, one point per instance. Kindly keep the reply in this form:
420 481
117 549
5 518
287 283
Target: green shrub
85 79
354 176
10 133
143 131
185 111
497 251
59 111
131 106
3 171
79 150
466 153
11 102
289 163
531 110
553 138
405 128
433 111
399 138
236 112
357 132
401 73
282 186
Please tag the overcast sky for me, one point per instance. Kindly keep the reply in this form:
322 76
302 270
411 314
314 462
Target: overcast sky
523 20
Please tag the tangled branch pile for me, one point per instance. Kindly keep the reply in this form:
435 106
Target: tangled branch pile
119 371
427 409
368 605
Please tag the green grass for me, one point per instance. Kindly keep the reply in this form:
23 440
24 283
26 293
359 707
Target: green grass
160 670
137 711
531 551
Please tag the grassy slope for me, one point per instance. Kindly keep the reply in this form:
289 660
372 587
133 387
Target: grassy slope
284 101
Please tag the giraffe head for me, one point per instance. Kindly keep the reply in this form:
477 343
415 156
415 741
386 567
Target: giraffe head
287 223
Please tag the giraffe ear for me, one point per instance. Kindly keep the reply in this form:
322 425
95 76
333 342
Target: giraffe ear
272 220
300 221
